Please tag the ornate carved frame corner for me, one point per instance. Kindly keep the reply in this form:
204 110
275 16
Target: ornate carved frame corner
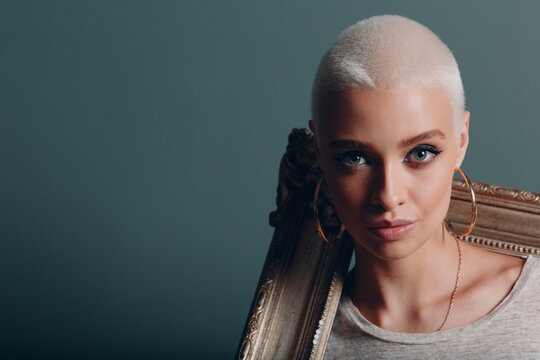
508 219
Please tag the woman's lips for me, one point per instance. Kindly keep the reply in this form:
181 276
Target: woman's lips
392 231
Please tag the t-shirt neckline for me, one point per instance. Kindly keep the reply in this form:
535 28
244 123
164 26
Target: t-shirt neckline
425 338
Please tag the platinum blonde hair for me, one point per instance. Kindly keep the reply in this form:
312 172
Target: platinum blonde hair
387 51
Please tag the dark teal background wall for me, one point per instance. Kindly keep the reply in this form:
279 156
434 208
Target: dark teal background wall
139 149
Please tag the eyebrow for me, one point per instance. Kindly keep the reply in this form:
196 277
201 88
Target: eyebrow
426 135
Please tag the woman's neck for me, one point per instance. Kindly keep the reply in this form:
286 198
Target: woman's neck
409 294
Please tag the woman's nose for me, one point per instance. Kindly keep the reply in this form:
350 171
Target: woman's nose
389 188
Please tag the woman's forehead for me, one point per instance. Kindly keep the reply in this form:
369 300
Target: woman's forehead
388 114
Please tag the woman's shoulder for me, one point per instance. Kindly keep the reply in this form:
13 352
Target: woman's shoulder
489 267
489 278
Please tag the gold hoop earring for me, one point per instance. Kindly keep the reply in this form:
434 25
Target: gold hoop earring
474 214
316 215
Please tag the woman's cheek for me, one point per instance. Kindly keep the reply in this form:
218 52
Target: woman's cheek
434 198
348 195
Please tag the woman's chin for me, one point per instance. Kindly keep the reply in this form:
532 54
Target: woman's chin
384 249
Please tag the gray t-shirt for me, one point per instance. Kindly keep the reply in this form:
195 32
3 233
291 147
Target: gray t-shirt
510 331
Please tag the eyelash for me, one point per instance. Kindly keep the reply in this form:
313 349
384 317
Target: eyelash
342 157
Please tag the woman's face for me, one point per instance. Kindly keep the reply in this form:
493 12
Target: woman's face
388 157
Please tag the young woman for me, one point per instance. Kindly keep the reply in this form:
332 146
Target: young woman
390 129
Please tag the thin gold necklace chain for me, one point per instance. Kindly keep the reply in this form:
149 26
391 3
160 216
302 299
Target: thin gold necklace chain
452 297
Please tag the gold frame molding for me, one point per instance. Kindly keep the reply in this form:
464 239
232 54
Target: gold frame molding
300 285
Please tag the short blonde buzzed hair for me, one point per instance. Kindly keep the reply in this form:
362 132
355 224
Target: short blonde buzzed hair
387 51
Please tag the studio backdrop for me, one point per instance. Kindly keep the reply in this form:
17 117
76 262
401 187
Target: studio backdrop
139 151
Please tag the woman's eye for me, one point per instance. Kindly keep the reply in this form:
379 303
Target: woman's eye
355 159
351 159
421 155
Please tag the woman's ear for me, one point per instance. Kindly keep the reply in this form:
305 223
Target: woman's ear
311 125
463 138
